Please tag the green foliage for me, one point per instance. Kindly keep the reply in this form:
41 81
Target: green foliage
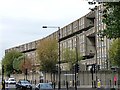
70 57
48 54
111 17
17 63
8 61
114 53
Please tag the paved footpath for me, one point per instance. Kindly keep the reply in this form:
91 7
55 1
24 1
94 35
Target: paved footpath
84 89
78 89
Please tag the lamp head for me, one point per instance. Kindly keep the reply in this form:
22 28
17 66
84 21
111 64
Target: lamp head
44 27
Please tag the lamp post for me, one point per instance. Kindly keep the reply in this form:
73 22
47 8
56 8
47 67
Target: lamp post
59 71
3 81
76 64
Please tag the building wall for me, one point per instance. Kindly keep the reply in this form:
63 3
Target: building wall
84 78
85 29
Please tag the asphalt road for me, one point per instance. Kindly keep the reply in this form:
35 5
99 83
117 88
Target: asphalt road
64 89
69 89
12 87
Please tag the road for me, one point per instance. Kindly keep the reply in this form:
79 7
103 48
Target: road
68 89
12 87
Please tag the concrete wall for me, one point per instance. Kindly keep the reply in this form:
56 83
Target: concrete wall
83 78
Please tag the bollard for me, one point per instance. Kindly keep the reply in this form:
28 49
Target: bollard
67 85
110 84
95 84
54 84
35 81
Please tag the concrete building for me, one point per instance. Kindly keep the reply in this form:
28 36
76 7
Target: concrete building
81 34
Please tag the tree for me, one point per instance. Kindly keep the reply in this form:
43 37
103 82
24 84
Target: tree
17 64
8 61
114 56
114 52
70 57
47 54
111 18
26 63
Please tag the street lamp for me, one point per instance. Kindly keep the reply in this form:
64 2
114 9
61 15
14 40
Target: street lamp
76 63
3 81
59 71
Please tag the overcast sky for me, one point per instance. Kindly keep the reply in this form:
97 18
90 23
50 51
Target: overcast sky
21 21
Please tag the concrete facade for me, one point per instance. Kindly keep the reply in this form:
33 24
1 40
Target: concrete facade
84 78
81 34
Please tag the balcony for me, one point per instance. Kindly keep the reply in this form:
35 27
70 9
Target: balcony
90 32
